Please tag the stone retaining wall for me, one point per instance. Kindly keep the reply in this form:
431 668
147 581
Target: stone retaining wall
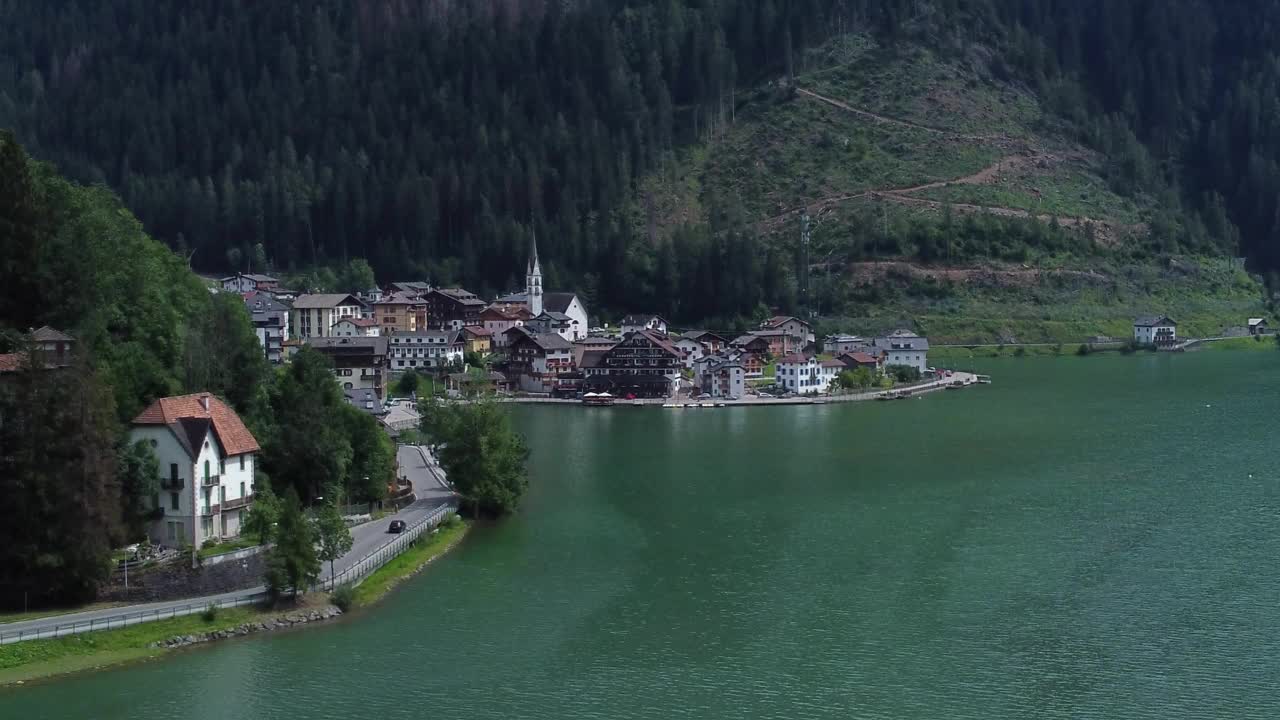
283 622
179 580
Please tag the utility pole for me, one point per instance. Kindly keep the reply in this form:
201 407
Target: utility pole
804 266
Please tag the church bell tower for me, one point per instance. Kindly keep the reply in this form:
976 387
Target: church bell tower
533 280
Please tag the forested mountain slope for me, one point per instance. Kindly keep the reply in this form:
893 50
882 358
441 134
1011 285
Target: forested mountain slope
433 136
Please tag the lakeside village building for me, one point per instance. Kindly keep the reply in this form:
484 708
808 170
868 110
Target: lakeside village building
1157 330
207 458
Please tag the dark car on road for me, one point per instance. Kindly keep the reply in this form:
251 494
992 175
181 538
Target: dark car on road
397 526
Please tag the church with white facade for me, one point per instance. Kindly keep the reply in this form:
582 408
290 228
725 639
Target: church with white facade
562 313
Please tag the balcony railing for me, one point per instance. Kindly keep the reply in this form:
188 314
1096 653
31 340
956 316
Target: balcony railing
237 503
172 483
213 509
210 480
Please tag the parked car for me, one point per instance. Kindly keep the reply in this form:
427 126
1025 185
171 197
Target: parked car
764 394
397 526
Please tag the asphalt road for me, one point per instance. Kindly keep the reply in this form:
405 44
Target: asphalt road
416 464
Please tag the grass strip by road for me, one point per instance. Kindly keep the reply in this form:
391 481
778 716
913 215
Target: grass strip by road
34 659
427 548
38 659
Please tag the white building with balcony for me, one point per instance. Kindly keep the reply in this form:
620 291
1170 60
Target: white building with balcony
424 349
207 460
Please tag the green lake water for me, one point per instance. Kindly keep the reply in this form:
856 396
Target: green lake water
1086 538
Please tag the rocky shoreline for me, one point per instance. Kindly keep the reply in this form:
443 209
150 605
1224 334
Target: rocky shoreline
284 622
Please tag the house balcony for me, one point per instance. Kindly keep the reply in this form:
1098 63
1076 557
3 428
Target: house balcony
172 483
237 503
211 481
214 509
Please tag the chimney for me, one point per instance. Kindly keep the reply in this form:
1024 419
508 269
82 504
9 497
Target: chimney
204 402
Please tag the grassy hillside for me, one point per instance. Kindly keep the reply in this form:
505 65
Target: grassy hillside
943 197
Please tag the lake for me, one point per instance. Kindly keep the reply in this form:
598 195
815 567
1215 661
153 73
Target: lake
1086 538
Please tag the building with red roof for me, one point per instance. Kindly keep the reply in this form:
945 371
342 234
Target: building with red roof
207 460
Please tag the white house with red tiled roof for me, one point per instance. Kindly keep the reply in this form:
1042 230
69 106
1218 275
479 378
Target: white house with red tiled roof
207 460
356 327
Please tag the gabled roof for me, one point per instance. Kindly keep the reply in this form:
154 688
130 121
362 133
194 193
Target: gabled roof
366 400
1153 321
795 359
642 319
44 333
10 362
833 364
557 316
592 358
260 302
325 300
227 425
780 320
859 358
400 298
748 339
660 340
545 341
459 295
1256 321
705 336
597 341
477 331
558 301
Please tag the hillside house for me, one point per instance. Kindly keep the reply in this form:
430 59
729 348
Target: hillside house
400 312
477 339
249 282
1257 326
636 323
313 316
424 350
1158 330
356 327
270 319
359 363
207 460
904 347
534 360
452 309
499 318
800 332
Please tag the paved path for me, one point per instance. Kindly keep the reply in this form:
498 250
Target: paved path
367 538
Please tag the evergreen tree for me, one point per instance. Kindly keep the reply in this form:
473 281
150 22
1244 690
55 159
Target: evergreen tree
292 564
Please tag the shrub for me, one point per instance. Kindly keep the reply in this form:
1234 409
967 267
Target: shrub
450 520
1083 350
210 613
344 596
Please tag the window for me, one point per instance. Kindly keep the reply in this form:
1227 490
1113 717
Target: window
173 501
222 466
242 463
171 533
173 472
242 489
206 469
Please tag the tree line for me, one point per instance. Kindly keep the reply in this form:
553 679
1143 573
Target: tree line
145 326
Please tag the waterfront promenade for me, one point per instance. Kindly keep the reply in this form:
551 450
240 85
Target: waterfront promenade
966 379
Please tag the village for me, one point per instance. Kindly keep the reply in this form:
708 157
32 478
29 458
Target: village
540 345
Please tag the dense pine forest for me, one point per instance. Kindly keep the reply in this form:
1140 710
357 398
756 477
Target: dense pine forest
432 137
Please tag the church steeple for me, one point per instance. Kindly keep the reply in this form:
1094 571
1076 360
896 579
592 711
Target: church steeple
533 280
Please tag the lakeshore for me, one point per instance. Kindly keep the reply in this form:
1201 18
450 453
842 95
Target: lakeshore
38 660
667 564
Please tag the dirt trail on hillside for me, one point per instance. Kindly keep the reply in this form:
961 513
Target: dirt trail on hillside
896 121
1106 232
985 176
